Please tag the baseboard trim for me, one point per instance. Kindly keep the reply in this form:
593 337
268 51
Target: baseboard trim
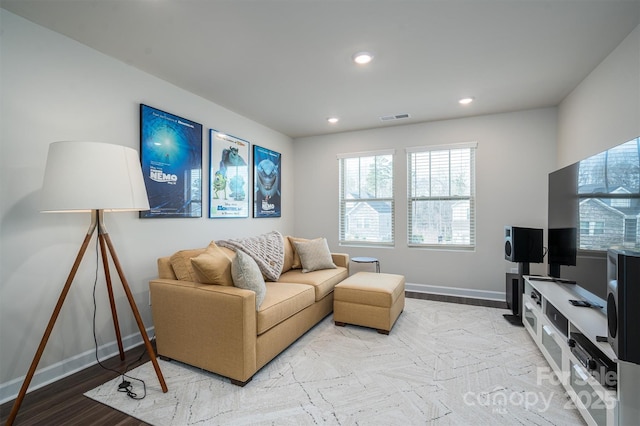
42 377
494 296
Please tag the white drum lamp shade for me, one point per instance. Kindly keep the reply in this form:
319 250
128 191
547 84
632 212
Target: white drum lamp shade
87 176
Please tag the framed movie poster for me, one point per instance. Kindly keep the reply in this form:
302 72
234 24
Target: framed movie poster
171 157
228 176
267 175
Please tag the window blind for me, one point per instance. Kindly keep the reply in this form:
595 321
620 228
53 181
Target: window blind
441 196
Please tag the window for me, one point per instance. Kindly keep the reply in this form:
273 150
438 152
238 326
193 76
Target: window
366 198
441 196
193 193
591 228
630 230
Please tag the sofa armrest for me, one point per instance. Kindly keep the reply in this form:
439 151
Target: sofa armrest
209 326
341 259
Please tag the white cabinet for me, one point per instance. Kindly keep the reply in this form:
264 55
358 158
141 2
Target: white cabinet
552 345
598 404
530 320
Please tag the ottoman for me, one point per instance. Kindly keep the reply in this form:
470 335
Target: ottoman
369 299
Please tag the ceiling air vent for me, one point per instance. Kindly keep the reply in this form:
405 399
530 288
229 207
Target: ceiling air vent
394 117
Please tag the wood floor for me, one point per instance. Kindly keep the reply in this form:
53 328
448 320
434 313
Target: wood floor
63 402
457 299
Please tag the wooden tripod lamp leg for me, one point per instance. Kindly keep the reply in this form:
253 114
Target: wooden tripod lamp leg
134 308
52 321
103 236
112 302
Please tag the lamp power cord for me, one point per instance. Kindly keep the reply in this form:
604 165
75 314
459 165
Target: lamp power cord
125 385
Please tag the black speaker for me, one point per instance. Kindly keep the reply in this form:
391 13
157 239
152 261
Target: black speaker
523 244
623 304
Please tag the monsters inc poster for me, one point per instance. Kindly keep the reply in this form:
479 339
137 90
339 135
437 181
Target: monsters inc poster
267 175
171 157
228 175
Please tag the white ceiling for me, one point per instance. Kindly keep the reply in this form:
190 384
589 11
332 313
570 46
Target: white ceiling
287 63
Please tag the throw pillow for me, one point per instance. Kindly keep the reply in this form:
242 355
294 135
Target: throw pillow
213 266
296 257
314 255
246 274
181 264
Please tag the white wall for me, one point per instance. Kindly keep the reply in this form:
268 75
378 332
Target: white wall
54 88
516 151
604 110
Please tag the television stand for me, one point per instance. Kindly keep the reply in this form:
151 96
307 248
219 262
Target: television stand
550 319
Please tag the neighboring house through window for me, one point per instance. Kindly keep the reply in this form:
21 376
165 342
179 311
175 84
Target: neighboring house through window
366 198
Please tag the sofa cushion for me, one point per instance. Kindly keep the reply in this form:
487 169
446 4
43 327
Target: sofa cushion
314 255
323 281
246 274
296 264
282 301
181 264
213 266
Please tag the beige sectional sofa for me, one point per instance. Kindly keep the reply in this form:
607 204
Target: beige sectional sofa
218 328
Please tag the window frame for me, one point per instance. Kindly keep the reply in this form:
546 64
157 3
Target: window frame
343 200
411 199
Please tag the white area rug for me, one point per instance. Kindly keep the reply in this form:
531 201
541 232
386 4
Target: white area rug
442 364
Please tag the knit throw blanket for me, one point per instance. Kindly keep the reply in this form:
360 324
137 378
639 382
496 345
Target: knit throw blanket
266 249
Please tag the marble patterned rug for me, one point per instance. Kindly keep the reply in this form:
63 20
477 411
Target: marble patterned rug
442 364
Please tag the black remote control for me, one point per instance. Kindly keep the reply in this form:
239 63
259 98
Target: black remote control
580 303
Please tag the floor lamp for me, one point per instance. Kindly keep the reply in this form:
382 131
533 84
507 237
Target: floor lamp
92 177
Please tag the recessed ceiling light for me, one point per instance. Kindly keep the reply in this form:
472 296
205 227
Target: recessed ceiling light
465 101
362 58
333 120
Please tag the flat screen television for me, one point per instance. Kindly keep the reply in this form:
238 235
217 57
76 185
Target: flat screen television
594 205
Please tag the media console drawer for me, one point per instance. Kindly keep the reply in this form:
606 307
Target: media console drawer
559 320
530 318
